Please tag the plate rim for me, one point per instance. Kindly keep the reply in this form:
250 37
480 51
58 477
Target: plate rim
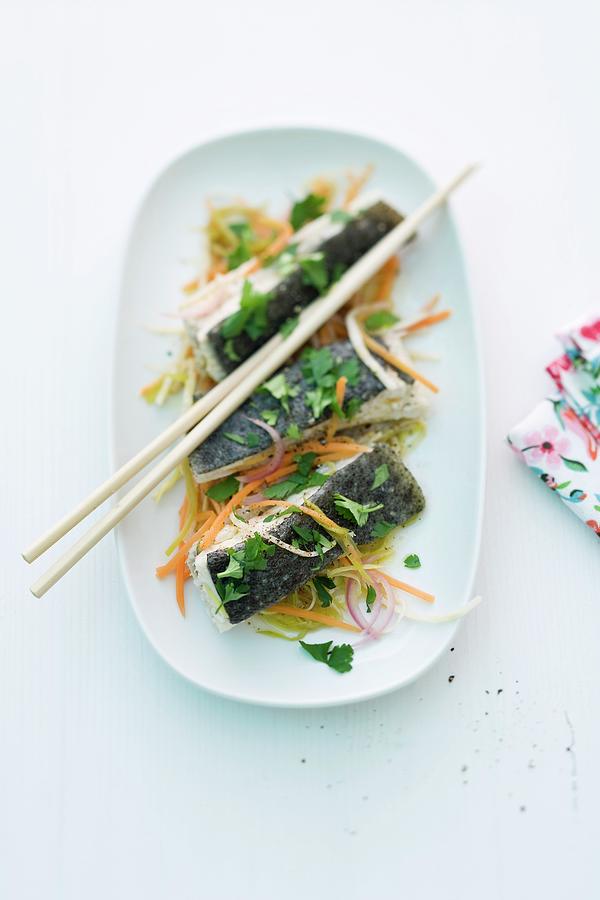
239 696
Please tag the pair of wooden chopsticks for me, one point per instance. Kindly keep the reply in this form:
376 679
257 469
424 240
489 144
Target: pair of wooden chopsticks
210 411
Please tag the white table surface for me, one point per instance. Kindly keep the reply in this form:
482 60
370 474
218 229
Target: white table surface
117 779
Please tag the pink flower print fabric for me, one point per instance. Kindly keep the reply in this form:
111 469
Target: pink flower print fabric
560 439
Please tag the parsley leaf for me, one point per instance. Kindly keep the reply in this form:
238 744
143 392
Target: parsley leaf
305 461
289 325
303 211
293 484
251 317
371 594
352 407
279 388
252 440
323 585
233 570
270 416
293 432
237 438
382 529
381 319
338 657
229 591
321 370
314 271
412 561
223 490
242 252
382 473
341 216
354 511
230 351
285 262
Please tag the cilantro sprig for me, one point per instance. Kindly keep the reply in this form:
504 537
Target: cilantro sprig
412 561
279 387
355 512
223 490
250 318
251 557
242 251
322 372
336 656
304 477
307 209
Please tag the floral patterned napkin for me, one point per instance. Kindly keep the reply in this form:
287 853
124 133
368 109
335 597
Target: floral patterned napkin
560 439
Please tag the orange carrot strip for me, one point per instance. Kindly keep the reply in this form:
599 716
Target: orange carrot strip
340 390
388 274
148 388
416 592
179 584
280 241
334 446
319 517
397 363
310 614
218 523
171 565
428 320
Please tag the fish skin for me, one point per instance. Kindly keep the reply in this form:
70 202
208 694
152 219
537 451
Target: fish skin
218 451
402 499
291 294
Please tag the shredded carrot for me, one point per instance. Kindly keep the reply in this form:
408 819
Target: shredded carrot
152 386
356 184
431 304
280 241
334 423
191 287
428 320
312 615
171 565
338 444
397 363
179 585
319 517
416 592
388 275
218 523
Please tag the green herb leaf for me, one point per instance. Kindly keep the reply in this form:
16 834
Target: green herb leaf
229 591
318 651
340 658
382 529
251 317
237 438
230 351
293 432
270 416
293 484
382 473
305 462
352 407
252 440
242 252
341 216
382 319
233 570
323 585
314 271
357 512
303 211
370 598
223 490
412 561
289 325
279 388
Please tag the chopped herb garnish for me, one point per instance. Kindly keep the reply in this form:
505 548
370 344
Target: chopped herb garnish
321 370
370 598
233 570
341 216
237 438
285 262
382 473
303 211
279 388
230 352
323 585
382 319
338 270
338 656
305 462
242 252
357 512
252 440
293 484
352 407
230 591
251 317
289 325
314 271
281 513
223 490
382 529
270 416
412 561
293 432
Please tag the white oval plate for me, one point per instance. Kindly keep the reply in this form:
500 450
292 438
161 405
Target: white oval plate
449 463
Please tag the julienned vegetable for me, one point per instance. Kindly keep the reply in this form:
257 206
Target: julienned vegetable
290 505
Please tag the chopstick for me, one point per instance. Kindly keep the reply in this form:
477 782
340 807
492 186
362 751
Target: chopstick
240 385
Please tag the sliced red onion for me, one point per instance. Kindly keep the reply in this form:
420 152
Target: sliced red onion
203 308
353 607
253 498
274 462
